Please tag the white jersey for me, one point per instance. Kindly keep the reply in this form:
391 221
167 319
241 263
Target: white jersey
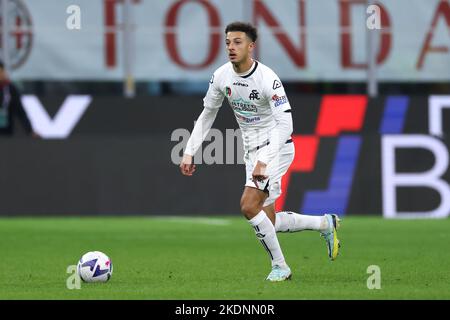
254 98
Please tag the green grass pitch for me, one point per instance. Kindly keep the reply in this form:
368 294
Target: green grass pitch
220 258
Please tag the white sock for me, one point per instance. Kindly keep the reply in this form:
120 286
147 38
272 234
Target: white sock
265 232
287 221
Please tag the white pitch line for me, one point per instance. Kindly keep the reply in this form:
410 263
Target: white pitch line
208 221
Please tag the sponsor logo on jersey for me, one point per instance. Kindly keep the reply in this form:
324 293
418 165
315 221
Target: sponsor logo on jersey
241 84
247 120
276 84
254 95
228 91
279 100
242 105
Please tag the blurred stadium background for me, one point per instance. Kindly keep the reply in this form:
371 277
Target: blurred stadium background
107 99
113 87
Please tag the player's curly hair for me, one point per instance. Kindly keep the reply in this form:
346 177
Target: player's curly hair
248 28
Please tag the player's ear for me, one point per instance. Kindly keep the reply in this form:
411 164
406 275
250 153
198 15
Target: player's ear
251 46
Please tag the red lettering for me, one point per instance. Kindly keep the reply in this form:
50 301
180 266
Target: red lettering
298 55
110 31
110 34
171 38
444 10
346 38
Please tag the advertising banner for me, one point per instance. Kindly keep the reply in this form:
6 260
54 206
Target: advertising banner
106 155
302 40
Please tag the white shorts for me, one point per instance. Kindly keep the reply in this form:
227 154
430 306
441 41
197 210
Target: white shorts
275 170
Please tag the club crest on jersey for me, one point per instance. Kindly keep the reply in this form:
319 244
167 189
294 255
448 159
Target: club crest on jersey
254 95
228 91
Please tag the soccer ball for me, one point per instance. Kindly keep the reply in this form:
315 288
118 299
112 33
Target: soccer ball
95 266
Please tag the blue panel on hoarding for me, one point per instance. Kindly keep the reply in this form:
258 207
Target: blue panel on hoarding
335 199
394 114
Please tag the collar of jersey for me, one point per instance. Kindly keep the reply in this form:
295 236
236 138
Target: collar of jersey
248 73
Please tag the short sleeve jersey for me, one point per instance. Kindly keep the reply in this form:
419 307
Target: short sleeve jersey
254 98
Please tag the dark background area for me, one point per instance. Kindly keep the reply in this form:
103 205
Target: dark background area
118 161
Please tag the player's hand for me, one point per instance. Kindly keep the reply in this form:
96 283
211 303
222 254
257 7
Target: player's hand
259 172
186 166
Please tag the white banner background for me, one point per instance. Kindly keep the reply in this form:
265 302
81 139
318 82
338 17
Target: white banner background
60 53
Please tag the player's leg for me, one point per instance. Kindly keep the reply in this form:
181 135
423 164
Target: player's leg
252 201
327 225
270 212
288 221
